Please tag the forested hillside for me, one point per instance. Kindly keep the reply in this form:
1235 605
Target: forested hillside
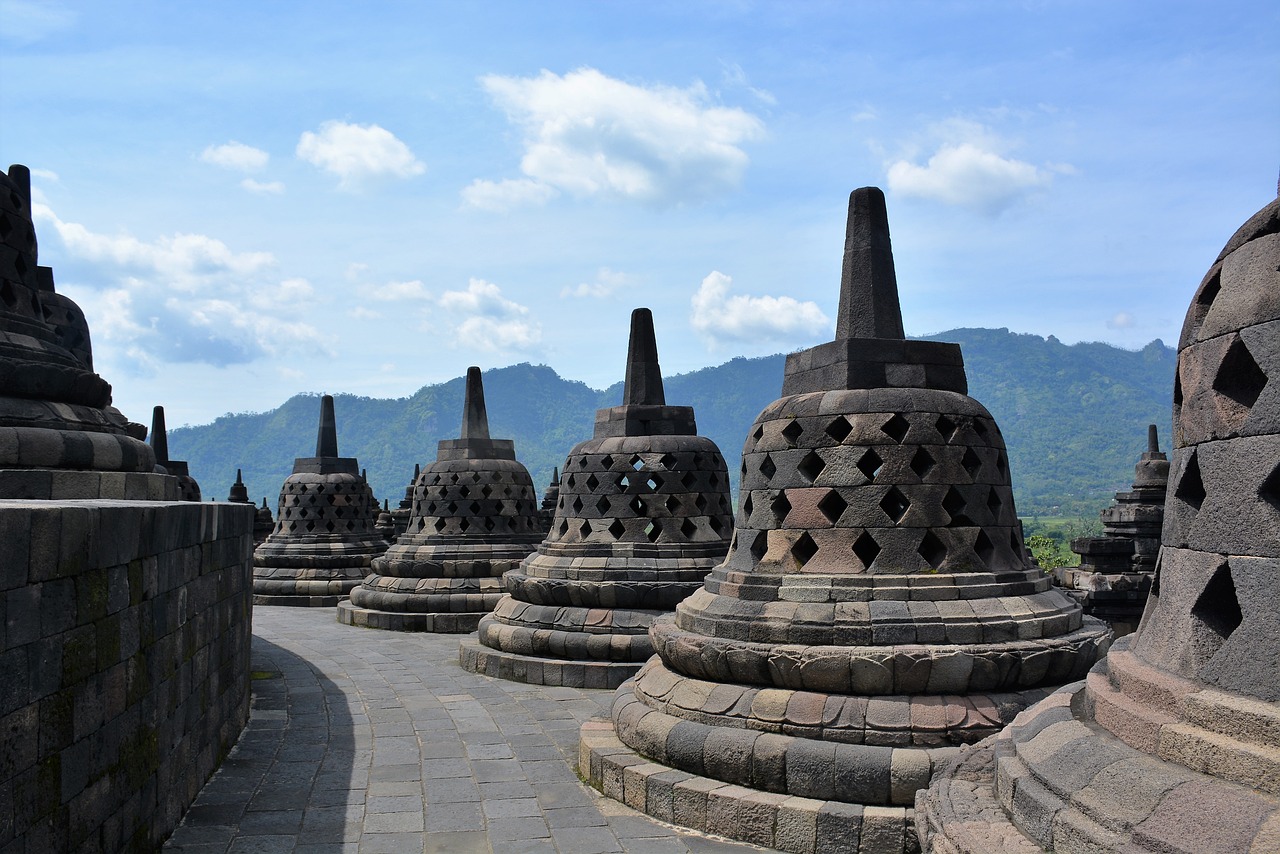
1074 418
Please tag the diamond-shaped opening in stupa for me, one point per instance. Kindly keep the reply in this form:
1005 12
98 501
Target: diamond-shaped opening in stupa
1190 488
804 548
1239 377
896 427
895 504
780 507
792 432
932 550
869 464
922 463
832 506
811 466
971 462
838 429
866 548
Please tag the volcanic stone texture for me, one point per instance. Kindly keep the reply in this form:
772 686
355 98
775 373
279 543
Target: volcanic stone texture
124 649
474 517
59 435
324 539
1173 742
641 517
876 609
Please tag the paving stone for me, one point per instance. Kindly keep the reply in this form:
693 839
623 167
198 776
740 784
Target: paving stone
347 688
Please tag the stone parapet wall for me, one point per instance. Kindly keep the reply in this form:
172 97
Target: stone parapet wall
124 666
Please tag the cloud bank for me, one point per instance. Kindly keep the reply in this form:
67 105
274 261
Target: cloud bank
968 169
720 317
356 153
484 319
587 134
186 298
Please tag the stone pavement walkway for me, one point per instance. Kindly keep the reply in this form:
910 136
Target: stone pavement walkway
369 741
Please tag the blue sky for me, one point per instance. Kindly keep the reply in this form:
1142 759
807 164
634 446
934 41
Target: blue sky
255 199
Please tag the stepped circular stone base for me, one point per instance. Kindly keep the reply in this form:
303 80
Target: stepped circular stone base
297 601
784 822
532 670
1056 780
405 621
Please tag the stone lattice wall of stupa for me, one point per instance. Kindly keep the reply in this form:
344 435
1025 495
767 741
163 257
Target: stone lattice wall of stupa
1173 742
877 608
324 539
60 438
474 516
641 517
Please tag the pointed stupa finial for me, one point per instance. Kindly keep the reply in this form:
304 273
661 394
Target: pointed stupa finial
327 436
475 418
21 176
417 470
644 377
386 506
239 478
555 475
869 306
1153 439
264 503
159 438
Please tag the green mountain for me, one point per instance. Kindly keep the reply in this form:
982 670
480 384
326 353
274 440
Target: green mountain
1074 418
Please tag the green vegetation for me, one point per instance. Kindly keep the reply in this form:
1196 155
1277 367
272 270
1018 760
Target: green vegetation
1074 419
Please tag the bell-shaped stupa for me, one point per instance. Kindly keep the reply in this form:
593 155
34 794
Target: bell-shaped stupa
877 607
643 514
475 516
324 538
60 437
188 489
1173 742
401 515
239 493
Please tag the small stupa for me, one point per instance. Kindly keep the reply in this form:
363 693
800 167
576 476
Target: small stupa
1172 744
643 514
188 489
324 538
475 516
263 524
400 515
385 526
876 610
239 493
550 500
1116 569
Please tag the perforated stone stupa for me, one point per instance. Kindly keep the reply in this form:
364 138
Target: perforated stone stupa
324 539
642 516
1173 742
475 516
876 609
188 489
1116 569
60 437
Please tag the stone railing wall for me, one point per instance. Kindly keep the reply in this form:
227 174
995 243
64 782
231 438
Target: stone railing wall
124 666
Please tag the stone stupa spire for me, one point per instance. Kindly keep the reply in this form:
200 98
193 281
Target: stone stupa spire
327 432
239 493
869 306
643 386
475 417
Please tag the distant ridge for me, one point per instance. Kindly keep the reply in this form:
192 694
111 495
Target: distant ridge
1074 418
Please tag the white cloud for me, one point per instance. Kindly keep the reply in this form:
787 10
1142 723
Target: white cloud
264 188
356 153
587 134
734 76
969 170
393 291
362 313
717 316
489 321
183 298
607 281
236 156
1121 320
502 196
